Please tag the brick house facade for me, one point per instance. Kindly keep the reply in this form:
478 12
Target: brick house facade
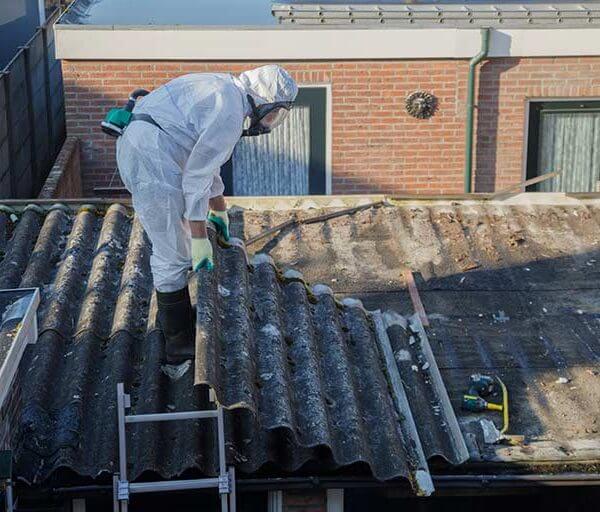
376 145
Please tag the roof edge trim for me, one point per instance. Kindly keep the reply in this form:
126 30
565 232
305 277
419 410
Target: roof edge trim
178 43
455 434
422 484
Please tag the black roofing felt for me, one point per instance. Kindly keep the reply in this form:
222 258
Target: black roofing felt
309 382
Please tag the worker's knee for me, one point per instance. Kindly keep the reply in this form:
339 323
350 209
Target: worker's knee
169 280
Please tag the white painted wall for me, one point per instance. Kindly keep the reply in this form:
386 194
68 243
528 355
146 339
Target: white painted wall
194 43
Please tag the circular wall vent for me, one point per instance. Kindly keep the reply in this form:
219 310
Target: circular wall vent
421 104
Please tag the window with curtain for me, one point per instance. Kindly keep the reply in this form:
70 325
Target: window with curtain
566 138
291 160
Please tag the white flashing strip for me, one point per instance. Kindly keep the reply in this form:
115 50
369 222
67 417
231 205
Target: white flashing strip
25 332
75 42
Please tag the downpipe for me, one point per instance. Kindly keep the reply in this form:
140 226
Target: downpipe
483 53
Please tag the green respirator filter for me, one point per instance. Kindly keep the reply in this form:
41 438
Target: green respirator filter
116 121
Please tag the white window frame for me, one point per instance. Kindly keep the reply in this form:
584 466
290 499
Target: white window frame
542 99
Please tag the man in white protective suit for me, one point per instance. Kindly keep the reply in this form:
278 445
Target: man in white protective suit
169 155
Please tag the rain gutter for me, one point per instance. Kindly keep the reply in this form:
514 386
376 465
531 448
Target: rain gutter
440 481
483 53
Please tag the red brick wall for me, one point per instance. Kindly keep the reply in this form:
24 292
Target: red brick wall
377 146
64 180
504 87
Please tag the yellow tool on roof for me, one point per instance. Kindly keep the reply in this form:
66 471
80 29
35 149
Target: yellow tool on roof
481 387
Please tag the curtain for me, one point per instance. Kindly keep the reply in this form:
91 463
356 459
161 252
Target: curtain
275 164
570 142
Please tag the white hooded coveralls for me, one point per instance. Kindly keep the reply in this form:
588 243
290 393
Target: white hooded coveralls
172 172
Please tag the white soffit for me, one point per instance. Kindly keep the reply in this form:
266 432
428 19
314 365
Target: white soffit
192 43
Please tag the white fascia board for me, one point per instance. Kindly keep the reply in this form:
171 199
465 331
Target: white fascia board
189 43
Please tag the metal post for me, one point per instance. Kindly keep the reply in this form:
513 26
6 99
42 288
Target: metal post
121 404
9 136
10 505
49 116
222 463
116 505
232 497
42 11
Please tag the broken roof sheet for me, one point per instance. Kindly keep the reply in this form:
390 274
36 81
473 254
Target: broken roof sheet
310 382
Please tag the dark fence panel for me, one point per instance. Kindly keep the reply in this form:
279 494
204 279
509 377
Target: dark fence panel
56 96
32 115
5 188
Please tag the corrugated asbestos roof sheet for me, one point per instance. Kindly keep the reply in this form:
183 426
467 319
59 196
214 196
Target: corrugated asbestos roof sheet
311 383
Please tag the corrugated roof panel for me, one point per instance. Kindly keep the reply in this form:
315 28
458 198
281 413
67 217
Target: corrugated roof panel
300 372
510 289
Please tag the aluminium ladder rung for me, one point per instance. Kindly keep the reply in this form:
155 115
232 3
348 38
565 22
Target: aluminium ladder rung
171 416
122 488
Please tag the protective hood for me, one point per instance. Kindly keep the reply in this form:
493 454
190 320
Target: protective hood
269 84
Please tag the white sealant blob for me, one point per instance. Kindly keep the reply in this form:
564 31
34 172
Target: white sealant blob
270 330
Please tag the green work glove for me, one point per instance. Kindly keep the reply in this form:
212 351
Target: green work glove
221 222
202 254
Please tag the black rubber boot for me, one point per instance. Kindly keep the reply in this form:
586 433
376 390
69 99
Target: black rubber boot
176 319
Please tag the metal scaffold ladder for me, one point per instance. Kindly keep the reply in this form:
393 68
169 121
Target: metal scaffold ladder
122 488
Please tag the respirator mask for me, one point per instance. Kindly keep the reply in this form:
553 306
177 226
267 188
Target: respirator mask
264 118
